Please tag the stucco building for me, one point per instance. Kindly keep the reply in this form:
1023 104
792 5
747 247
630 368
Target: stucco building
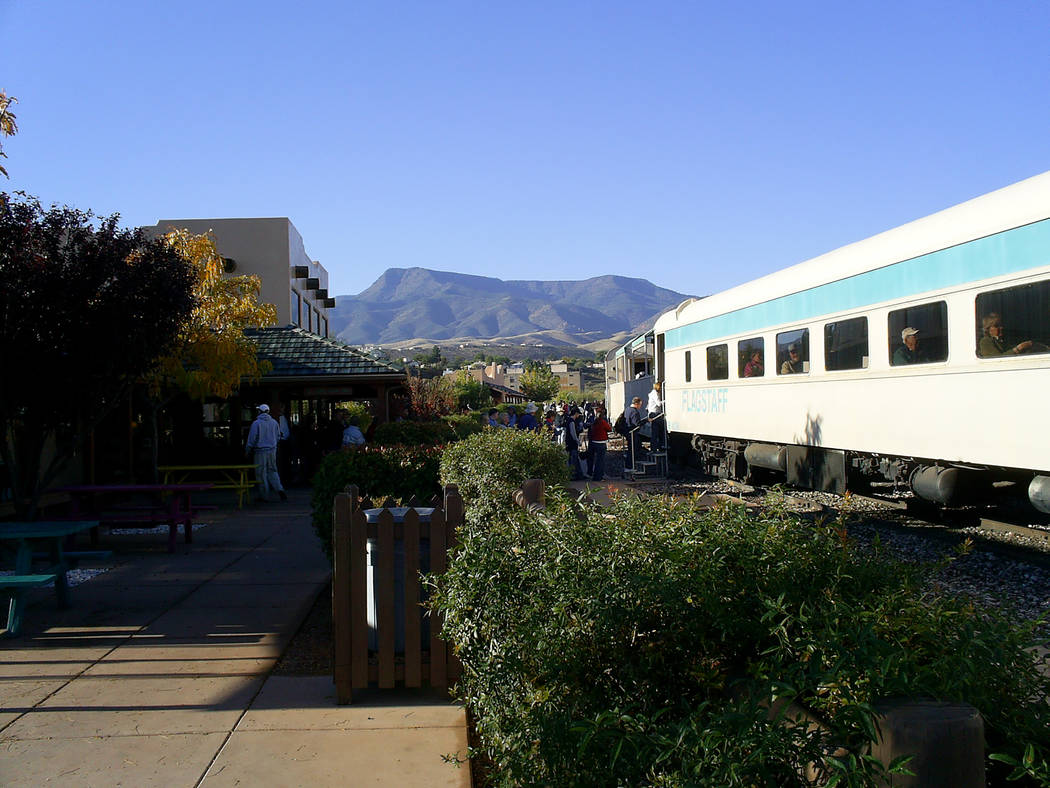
310 372
569 380
273 250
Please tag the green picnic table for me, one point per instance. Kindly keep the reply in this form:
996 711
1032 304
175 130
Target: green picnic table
23 536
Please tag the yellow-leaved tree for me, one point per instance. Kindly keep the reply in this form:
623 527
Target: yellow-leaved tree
8 128
211 356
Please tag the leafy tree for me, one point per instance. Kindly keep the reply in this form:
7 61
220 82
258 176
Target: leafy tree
431 398
470 393
570 396
539 383
599 356
211 355
594 393
535 364
8 128
432 357
85 309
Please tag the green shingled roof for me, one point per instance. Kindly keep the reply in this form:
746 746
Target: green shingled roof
298 353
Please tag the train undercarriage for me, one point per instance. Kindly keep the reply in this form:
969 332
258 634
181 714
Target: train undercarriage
836 471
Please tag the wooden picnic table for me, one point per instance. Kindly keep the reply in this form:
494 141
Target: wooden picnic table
174 506
222 477
24 535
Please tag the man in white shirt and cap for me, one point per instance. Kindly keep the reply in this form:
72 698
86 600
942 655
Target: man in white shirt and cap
262 442
352 435
655 407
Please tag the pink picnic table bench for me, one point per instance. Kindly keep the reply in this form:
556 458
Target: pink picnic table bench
170 504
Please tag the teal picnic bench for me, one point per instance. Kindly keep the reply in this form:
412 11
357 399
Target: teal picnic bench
17 586
23 537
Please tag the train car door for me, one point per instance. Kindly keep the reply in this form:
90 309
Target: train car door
658 373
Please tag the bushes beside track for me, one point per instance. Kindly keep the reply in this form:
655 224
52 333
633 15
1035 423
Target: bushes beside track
644 644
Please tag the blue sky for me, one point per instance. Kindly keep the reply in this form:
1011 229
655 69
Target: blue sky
695 144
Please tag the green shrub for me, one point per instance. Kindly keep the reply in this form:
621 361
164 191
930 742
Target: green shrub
465 425
488 466
643 643
426 433
414 433
378 471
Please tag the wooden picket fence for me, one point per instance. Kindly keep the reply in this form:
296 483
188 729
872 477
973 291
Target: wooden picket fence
355 666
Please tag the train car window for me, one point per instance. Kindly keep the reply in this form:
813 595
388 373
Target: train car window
846 344
793 352
688 366
751 358
718 362
919 334
1014 321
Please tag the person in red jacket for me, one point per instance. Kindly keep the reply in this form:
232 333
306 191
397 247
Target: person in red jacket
599 440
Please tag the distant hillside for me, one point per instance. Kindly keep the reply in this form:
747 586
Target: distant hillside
409 303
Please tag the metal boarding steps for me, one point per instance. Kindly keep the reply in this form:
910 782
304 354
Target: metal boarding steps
653 467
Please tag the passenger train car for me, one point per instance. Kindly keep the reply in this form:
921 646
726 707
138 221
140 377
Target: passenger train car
920 356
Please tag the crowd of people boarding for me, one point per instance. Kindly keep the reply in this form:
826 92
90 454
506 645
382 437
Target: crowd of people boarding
585 430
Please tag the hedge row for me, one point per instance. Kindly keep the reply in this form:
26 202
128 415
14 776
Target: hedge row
426 433
489 466
643 644
378 471
486 465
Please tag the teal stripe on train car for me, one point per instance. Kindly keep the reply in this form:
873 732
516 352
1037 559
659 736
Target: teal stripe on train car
1007 252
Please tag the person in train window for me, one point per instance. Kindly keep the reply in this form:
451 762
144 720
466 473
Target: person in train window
754 368
908 352
793 364
992 343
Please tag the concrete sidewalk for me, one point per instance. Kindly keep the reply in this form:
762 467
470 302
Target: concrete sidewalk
159 675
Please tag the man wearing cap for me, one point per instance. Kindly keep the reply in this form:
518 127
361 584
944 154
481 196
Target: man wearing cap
793 364
908 353
528 420
262 441
655 407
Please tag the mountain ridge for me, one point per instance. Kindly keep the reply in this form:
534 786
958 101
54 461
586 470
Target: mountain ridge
404 303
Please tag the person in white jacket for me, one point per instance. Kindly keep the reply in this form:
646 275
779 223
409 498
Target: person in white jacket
657 424
262 444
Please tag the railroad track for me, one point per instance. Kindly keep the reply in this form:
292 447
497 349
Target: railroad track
990 529
1009 565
